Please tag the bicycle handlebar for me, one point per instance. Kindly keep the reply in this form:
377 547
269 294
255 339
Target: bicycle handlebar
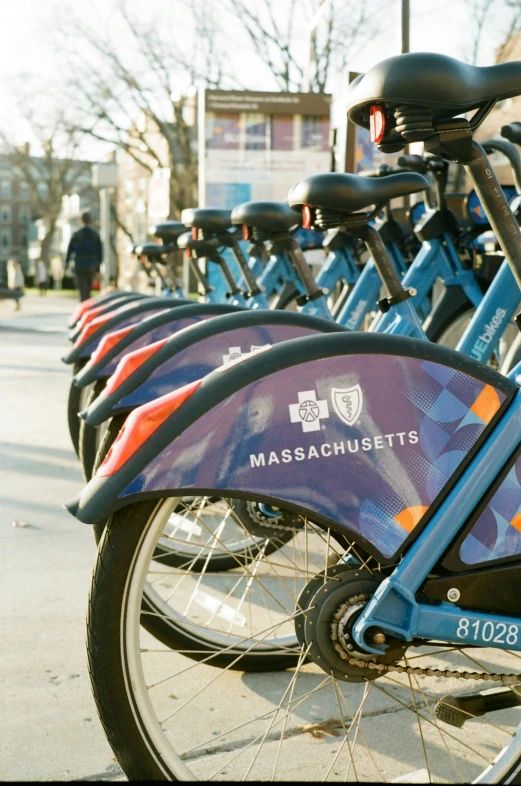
383 171
510 152
512 132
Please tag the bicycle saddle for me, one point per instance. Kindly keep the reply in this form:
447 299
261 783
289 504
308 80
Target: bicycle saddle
202 248
152 251
266 216
208 219
350 193
168 231
445 85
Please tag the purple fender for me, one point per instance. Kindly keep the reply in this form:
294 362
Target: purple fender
192 354
364 433
149 330
128 314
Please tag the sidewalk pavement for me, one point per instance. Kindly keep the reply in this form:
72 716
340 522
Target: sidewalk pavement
41 314
49 728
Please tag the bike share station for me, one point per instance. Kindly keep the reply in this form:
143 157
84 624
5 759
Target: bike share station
305 487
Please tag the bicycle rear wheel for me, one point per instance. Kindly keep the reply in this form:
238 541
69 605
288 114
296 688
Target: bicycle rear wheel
169 717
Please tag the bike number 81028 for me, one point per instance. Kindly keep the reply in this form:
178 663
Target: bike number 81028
496 633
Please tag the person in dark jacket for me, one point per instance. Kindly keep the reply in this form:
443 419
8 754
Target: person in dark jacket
85 248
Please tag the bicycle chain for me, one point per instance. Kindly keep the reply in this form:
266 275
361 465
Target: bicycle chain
416 670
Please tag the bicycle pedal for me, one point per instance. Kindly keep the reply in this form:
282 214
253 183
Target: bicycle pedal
455 710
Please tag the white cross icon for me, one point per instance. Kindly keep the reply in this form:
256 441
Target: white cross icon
234 353
309 412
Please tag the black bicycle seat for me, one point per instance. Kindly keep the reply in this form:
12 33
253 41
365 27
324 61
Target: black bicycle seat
266 216
151 251
202 248
350 193
208 219
424 79
168 231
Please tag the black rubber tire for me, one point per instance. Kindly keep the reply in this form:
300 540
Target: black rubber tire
88 441
106 665
117 550
451 317
74 405
114 427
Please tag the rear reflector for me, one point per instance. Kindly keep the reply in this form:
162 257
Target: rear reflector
81 308
307 217
245 232
107 343
377 123
91 328
128 364
89 316
140 425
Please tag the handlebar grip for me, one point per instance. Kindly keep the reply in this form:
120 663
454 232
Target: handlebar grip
383 171
411 161
512 132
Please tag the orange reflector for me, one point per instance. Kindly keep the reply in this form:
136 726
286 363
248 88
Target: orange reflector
82 307
307 217
129 364
245 232
194 233
89 316
140 425
107 343
377 123
188 253
91 328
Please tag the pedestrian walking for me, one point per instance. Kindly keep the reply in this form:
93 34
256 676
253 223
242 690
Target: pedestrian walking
42 277
85 248
15 281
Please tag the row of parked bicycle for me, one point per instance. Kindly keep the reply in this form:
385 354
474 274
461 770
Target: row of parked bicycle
307 491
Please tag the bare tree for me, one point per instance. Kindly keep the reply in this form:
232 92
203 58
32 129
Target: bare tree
54 173
275 32
127 94
508 12
138 69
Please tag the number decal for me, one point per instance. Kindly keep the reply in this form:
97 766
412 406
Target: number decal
498 638
487 631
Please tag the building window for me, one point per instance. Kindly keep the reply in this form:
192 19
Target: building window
23 214
23 239
256 128
5 214
5 239
315 133
25 191
5 187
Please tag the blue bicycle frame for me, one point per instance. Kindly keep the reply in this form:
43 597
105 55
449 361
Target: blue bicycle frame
394 605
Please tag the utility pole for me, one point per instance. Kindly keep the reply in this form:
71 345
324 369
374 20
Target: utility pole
405 18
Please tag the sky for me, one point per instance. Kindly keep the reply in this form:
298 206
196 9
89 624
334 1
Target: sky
437 25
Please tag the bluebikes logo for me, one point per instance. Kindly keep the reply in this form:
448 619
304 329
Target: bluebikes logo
309 412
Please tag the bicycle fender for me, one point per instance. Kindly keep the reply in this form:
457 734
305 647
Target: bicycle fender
146 332
362 433
452 301
192 354
129 314
102 301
